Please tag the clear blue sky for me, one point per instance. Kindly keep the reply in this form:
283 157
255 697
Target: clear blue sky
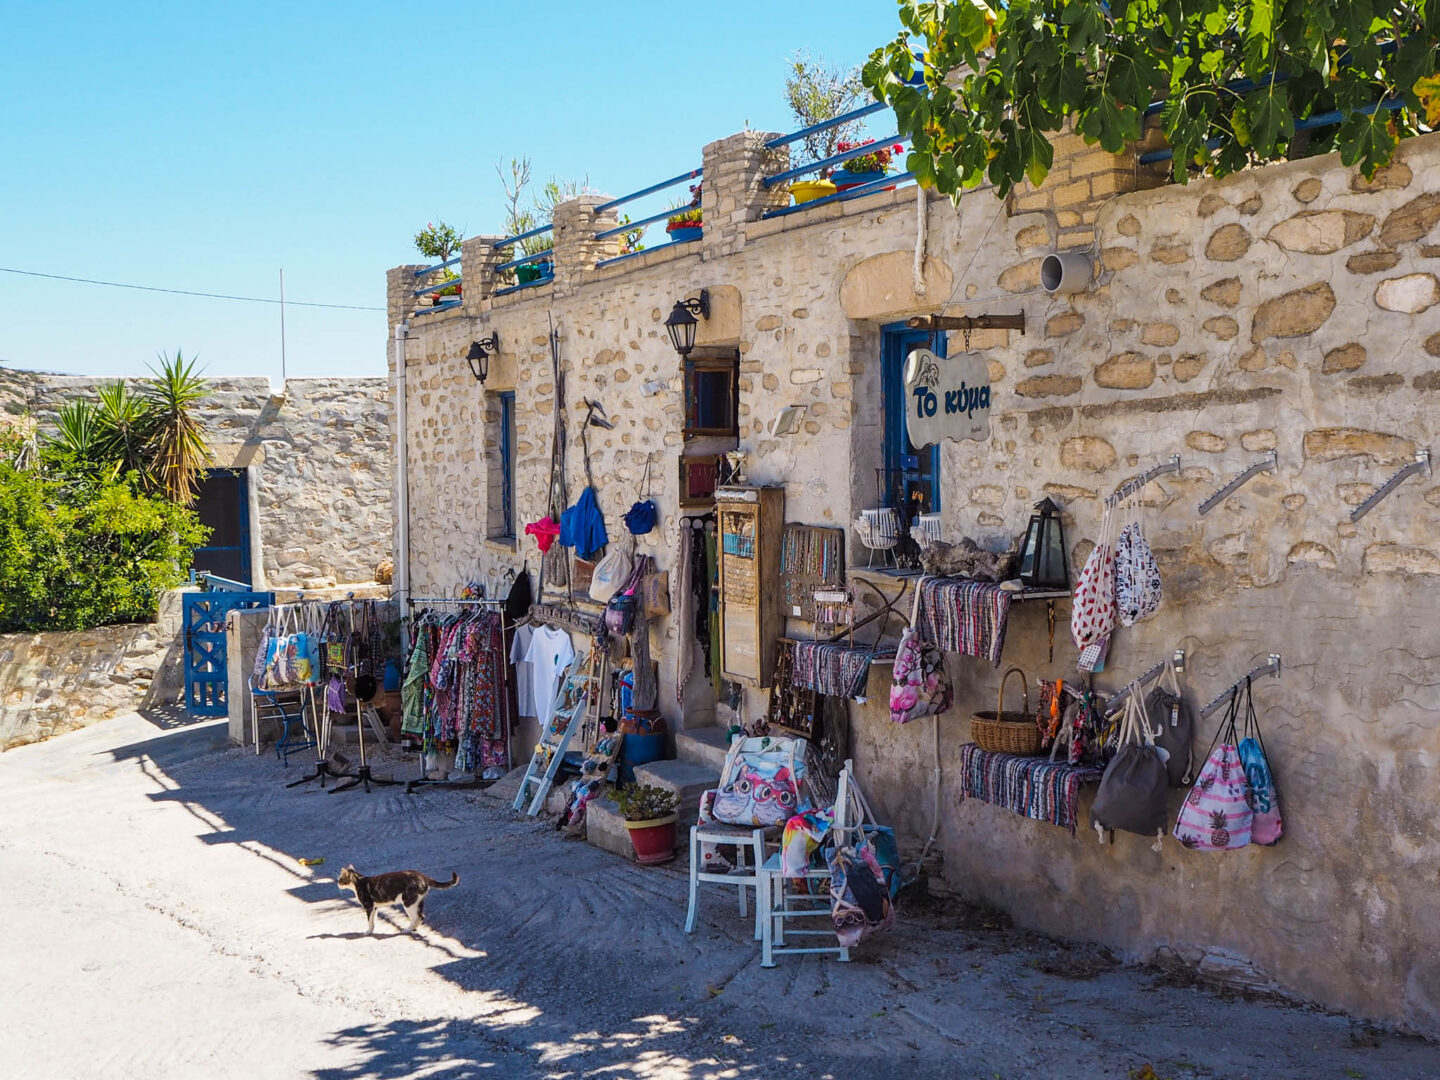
204 147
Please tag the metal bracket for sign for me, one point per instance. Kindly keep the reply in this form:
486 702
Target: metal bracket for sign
1220 699
1420 464
1125 490
1266 464
1117 700
968 322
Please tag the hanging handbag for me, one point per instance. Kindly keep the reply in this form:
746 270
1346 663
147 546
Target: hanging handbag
1092 615
520 597
1137 575
1264 801
920 686
1172 724
860 901
1133 790
620 611
655 593
610 576
1216 815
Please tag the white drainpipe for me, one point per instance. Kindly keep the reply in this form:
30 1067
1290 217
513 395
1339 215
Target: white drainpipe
402 483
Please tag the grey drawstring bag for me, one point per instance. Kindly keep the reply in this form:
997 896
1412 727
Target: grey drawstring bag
1133 790
1172 724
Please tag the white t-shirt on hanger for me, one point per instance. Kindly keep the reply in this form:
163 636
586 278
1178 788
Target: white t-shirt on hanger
524 673
549 654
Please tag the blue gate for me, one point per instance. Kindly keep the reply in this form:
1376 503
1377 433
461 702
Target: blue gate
206 672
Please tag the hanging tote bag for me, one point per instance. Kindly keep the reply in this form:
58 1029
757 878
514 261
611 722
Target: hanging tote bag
921 686
1264 800
1216 815
620 611
1133 790
610 576
760 784
1172 723
1137 575
1092 615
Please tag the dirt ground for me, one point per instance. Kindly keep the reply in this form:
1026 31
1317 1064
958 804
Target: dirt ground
162 926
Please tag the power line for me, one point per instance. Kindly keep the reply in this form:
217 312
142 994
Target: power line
188 292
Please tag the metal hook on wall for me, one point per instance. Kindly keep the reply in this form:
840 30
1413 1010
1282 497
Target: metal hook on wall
1268 463
1420 464
1272 667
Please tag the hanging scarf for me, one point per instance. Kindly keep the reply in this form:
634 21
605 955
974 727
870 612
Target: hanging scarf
682 603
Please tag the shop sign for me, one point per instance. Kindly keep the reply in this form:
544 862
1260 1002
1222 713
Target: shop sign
946 398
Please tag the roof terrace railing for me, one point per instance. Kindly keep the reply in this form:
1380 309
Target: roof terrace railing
1309 123
645 222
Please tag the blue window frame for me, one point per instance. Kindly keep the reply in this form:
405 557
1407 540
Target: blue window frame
911 477
507 462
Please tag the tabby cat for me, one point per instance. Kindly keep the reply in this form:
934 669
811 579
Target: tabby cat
405 887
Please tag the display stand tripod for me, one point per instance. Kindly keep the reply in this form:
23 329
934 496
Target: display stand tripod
362 774
322 731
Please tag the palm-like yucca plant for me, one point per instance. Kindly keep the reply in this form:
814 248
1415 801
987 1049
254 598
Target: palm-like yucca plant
123 423
76 431
175 444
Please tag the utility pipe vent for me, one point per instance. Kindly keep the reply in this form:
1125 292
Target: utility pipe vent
1066 272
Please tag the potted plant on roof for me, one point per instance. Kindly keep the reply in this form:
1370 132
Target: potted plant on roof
440 242
865 168
687 224
649 814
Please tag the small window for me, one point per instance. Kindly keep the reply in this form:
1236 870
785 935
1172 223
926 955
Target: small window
712 397
500 453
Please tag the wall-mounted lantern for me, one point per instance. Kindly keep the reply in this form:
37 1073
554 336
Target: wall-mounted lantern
479 356
682 322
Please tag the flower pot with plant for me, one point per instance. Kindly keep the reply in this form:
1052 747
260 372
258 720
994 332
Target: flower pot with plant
803 191
649 814
440 242
864 168
687 224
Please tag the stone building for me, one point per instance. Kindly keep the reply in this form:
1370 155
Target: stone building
1294 308
298 493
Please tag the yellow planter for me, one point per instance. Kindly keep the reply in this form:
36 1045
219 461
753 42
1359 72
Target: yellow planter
808 190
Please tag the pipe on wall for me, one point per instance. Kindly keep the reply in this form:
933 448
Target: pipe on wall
402 486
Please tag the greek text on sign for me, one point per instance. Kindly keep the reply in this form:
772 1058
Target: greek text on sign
946 398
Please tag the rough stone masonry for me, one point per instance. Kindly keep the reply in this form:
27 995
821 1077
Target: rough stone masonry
1294 307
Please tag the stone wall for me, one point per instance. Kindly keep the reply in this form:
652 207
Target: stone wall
318 460
1293 308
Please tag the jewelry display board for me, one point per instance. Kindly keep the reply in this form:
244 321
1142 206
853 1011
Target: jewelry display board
811 558
751 521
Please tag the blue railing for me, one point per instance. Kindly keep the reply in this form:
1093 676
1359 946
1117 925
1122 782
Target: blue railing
1319 120
644 223
435 287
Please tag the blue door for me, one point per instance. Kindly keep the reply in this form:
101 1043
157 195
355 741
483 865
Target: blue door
206 671
223 505
911 477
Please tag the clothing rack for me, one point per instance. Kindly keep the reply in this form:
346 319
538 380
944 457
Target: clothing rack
1271 667
1266 464
413 600
1117 700
1130 487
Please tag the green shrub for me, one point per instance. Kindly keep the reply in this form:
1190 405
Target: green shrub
80 549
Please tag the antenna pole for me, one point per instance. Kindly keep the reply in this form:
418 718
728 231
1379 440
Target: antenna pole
282 327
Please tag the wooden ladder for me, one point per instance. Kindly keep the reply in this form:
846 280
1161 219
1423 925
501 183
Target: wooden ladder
580 687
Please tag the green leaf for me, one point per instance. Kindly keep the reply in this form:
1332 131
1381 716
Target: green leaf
1366 141
1267 113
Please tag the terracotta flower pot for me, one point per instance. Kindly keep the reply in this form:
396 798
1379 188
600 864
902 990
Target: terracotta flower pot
654 840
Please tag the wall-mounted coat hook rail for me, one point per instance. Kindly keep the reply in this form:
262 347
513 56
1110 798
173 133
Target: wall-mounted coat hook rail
1125 490
1420 464
1221 699
1116 701
1265 464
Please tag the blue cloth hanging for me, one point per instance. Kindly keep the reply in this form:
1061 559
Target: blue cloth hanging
582 527
640 518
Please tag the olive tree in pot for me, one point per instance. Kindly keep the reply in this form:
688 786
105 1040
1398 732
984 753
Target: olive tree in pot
649 814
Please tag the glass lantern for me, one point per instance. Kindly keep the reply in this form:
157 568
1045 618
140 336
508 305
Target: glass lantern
1042 558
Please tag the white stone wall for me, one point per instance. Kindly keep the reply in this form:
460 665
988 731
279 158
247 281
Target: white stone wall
1294 307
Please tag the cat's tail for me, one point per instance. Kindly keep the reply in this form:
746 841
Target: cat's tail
454 880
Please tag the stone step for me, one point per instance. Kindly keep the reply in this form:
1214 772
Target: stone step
605 828
704 746
687 779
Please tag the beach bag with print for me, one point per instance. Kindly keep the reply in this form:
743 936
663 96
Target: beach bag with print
763 788
860 903
292 658
1137 576
1216 815
920 687
1135 785
1172 724
1264 800
1092 615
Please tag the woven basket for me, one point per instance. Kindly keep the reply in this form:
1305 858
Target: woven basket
1004 732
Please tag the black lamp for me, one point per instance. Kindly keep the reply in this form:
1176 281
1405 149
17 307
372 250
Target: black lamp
681 323
479 356
1042 558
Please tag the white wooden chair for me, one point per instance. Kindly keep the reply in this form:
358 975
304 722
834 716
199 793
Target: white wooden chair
778 905
749 841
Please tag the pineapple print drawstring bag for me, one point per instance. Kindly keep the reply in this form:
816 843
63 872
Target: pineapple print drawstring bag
1216 814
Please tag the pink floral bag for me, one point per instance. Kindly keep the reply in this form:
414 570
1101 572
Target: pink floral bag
921 686
1092 615
1216 815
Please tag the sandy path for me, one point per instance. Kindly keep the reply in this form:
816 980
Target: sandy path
161 927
